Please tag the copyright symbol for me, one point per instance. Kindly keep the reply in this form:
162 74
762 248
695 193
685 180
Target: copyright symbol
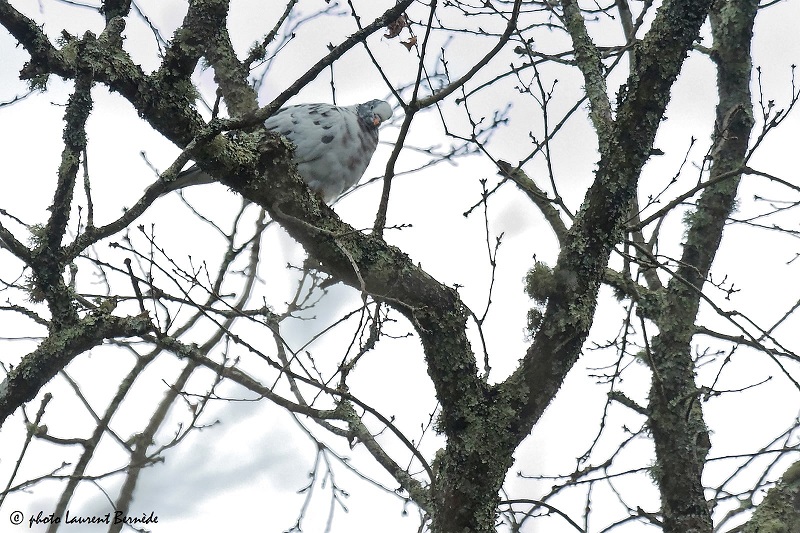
16 517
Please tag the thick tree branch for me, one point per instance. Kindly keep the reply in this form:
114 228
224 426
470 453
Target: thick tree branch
600 224
676 417
538 197
587 57
54 353
189 43
780 509
47 259
44 56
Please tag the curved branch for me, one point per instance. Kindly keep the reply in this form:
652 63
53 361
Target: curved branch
25 380
587 57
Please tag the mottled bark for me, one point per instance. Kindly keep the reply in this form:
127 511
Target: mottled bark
676 415
780 510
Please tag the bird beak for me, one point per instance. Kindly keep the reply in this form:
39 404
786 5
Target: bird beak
376 120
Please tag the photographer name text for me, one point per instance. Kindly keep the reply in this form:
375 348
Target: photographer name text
117 517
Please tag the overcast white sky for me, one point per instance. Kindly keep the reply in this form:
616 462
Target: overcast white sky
245 472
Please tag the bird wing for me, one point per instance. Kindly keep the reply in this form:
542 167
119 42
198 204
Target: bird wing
332 145
308 126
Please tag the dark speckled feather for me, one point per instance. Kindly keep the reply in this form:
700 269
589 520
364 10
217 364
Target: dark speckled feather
333 145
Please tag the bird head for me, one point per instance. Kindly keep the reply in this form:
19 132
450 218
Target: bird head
374 112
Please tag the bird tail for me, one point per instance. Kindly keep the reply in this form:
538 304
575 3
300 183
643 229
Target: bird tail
191 176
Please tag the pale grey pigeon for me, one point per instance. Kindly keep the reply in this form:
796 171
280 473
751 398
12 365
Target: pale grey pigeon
333 145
